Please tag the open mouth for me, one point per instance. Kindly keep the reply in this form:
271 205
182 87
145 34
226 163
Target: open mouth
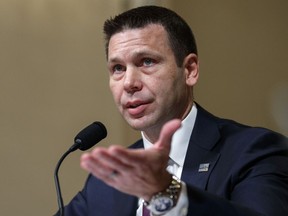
132 106
136 108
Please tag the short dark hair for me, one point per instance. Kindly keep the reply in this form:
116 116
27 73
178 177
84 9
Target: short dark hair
180 35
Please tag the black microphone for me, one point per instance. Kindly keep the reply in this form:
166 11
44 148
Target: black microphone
84 140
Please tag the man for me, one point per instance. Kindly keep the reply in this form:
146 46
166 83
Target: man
211 166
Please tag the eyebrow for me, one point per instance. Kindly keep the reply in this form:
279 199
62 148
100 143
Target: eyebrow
135 54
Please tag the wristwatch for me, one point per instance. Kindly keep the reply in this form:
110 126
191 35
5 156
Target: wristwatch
165 200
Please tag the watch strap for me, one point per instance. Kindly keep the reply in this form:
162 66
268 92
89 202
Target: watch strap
165 200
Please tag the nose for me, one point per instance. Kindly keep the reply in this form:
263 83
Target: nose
132 80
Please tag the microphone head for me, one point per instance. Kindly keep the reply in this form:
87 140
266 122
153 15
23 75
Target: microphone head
90 135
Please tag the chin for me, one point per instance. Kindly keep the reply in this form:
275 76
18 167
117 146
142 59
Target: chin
137 124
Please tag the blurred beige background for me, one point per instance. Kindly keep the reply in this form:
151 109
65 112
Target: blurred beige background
53 82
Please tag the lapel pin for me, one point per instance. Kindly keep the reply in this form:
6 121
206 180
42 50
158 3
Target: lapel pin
203 167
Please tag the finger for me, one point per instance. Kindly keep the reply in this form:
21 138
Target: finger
108 169
127 156
84 160
93 166
166 134
101 162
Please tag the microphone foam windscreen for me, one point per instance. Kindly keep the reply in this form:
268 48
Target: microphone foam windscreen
90 135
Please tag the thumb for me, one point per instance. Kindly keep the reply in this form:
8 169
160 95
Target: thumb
167 131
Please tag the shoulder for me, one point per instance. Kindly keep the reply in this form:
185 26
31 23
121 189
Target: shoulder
137 144
228 127
232 135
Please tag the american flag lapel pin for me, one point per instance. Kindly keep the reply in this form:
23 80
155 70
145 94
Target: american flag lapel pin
203 167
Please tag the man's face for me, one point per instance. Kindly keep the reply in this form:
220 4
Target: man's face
148 87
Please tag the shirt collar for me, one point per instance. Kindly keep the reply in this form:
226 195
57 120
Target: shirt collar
180 139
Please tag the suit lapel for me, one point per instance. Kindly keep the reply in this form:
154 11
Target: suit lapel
198 167
123 204
200 159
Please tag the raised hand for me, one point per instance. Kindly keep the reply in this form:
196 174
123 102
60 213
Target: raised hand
138 172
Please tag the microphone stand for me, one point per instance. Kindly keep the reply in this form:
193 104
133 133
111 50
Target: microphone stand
84 140
74 147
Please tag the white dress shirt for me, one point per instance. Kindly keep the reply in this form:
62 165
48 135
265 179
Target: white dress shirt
175 165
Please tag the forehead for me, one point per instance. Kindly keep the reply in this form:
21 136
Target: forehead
152 36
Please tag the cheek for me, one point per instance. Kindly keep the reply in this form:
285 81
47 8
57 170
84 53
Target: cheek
116 92
164 87
170 91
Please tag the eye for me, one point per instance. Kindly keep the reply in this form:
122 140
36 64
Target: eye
118 68
148 62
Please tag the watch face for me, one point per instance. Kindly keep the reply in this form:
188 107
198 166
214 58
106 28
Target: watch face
163 204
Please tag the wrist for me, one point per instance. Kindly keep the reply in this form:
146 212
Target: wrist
162 184
163 201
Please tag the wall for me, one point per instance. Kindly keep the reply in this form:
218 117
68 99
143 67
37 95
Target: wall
53 82
243 53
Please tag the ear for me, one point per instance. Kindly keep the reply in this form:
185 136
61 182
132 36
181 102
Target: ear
191 68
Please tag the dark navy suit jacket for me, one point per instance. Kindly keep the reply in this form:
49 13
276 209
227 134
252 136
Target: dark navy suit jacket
247 174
